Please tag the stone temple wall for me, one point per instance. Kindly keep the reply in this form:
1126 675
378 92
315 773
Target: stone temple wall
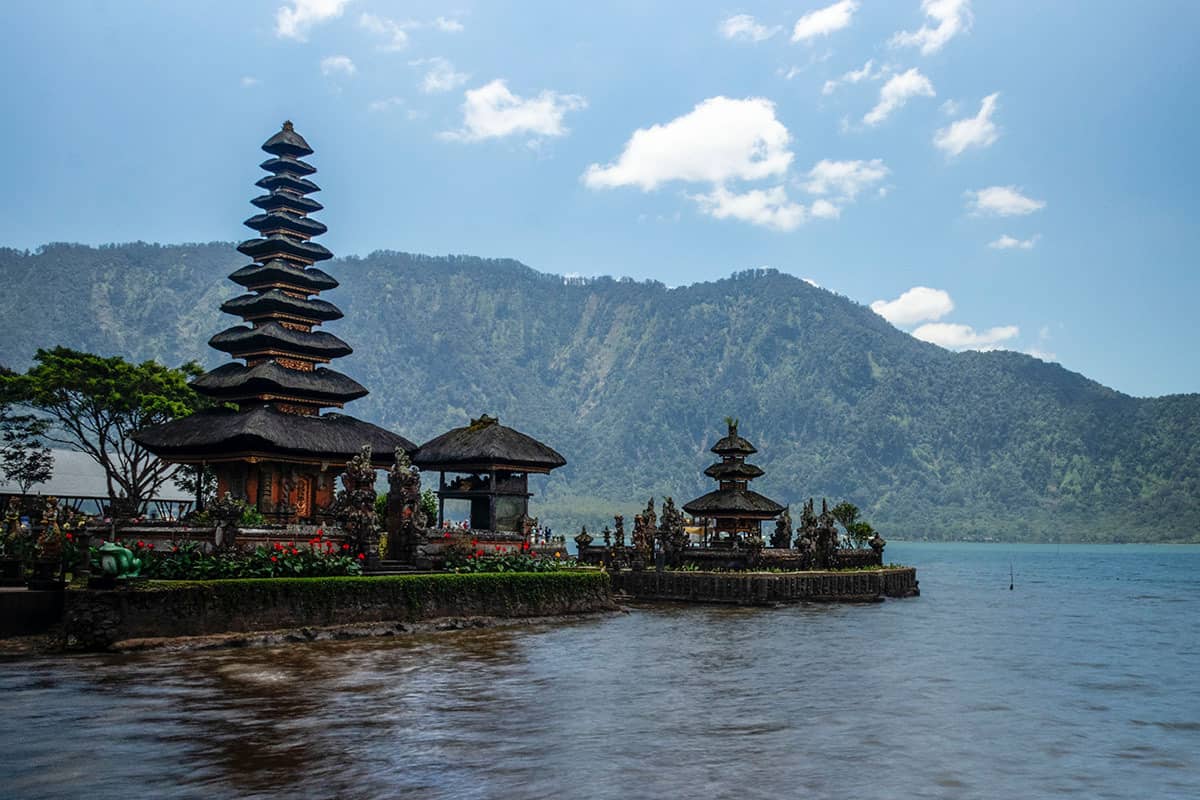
765 588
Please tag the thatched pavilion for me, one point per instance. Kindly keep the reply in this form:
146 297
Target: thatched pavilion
489 466
733 508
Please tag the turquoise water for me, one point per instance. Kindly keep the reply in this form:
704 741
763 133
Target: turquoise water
1081 681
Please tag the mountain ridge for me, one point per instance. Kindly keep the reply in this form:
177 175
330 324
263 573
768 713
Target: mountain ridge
633 377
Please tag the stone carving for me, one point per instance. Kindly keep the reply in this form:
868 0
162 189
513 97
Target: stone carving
607 534
619 535
406 521
672 535
783 531
50 541
356 504
584 538
226 514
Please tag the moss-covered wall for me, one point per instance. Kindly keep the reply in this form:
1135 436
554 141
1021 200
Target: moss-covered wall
96 619
755 588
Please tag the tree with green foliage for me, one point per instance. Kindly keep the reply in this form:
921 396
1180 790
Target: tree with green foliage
95 403
857 531
24 457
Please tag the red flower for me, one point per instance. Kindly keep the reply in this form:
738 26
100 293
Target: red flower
320 532
175 549
361 557
474 542
345 547
479 553
141 543
70 537
273 558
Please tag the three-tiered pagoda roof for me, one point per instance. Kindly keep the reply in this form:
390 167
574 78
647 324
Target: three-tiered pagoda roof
733 500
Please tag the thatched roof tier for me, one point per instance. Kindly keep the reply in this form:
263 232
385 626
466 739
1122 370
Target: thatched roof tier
239 382
276 301
733 445
733 471
265 433
287 143
486 445
273 337
284 273
287 223
285 200
288 164
278 246
284 182
742 503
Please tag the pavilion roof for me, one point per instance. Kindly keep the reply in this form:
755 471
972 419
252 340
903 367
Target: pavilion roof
486 444
222 433
733 503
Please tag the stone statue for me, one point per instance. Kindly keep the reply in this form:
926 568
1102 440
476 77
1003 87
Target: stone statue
607 534
672 534
405 520
355 507
619 535
782 537
50 541
118 562
226 514
10 537
583 539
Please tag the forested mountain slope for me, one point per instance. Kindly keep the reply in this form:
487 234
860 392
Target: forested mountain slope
630 381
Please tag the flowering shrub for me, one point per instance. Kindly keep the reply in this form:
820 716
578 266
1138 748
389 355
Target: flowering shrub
519 560
317 557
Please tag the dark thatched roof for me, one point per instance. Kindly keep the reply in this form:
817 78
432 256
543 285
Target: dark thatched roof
286 221
280 271
237 381
276 300
486 444
223 434
733 445
733 503
287 143
733 471
288 164
277 245
277 200
285 182
273 336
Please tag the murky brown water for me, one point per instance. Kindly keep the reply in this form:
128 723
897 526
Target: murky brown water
1081 682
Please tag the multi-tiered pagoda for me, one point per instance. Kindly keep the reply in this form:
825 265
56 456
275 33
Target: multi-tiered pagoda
733 508
277 450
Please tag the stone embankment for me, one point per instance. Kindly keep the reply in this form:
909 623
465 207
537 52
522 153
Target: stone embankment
767 588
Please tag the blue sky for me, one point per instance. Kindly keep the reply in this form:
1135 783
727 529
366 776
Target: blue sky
988 174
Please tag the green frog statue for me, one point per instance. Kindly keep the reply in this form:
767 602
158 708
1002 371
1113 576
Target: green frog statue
118 562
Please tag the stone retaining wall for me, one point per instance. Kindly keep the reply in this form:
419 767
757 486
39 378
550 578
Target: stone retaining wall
95 620
762 588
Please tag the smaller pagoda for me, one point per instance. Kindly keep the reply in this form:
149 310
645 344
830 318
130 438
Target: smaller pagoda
733 509
489 466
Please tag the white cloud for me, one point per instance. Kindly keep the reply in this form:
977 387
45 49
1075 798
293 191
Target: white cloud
863 73
492 111
721 139
769 208
1044 355
1002 201
386 104
441 76
394 32
950 108
918 304
250 81
896 92
948 17
843 180
446 25
824 21
1007 242
295 21
953 336
747 29
337 65
977 131
823 209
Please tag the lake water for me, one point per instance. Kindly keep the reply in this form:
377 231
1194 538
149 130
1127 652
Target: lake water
1082 681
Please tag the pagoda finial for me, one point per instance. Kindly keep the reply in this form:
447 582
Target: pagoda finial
483 422
287 125
732 423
